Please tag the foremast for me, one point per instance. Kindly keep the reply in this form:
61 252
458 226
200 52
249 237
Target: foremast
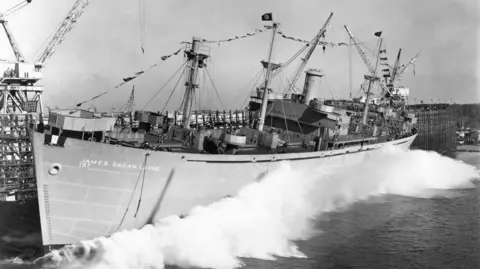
195 61
263 110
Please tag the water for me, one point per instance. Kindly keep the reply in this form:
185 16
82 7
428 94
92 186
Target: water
397 210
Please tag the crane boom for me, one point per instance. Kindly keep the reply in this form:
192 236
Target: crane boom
373 70
13 43
67 25
356 43
395 67
399 74
16 50
314 44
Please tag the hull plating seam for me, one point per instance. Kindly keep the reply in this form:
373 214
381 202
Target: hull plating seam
295 159
283 159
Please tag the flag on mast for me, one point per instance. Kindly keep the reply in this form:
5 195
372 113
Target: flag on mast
267 17
378 33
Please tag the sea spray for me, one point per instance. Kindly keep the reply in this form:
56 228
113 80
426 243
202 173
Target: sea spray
264 219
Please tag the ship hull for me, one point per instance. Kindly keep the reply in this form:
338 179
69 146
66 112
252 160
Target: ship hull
87 189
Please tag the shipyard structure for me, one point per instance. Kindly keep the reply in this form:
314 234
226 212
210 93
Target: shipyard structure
436 125
21 106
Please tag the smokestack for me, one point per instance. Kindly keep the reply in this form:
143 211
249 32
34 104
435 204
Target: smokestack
311 88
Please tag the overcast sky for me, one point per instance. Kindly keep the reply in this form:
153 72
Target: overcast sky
104 46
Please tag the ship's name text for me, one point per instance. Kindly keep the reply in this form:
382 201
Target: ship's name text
88 163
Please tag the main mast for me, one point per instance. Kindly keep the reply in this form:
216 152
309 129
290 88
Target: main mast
196 60
267 81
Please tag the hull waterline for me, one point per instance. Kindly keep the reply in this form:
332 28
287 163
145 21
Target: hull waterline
88 190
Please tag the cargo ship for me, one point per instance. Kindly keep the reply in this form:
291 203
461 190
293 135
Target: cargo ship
95 178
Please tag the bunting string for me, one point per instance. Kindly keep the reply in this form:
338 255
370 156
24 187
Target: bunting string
257 31
322 43
250 34
137 74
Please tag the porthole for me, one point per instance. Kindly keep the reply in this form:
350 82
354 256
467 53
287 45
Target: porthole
54 169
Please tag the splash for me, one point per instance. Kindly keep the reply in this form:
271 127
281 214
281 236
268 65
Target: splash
266 217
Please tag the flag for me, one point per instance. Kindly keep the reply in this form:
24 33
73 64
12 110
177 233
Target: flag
378 33
267 17
128 78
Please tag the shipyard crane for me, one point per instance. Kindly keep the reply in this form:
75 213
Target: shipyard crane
58 37
66 26
3 20
21 97
24 96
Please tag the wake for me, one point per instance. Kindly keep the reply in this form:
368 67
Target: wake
265 218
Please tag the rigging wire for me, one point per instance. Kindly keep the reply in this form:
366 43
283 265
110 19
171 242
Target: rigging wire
141 189
165 85
185 81
283 108
329 89
215 88
283 66
133 193
173 90
290 84
255 77
205 89
142 24
259 75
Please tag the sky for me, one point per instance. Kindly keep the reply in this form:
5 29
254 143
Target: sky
105 46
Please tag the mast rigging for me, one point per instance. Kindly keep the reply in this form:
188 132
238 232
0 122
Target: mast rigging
196 60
